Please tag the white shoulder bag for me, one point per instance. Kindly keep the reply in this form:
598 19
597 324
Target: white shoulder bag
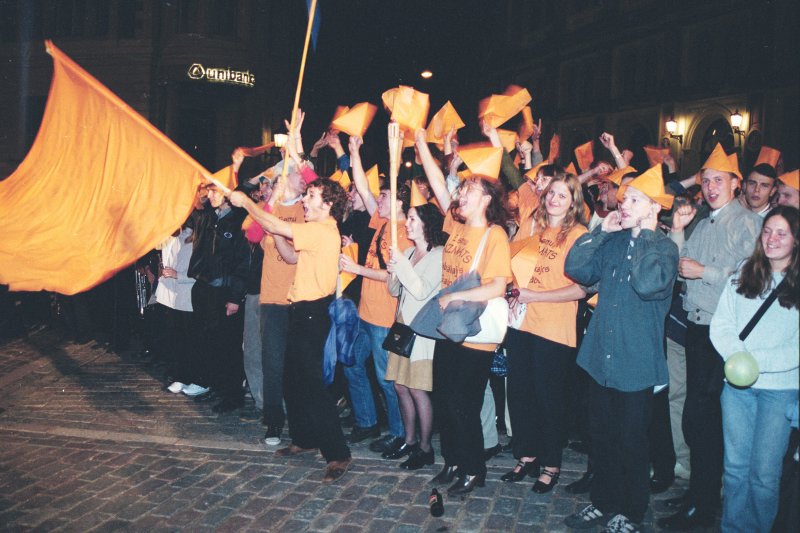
494 319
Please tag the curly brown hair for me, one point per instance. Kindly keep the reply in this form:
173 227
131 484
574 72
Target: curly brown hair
333 194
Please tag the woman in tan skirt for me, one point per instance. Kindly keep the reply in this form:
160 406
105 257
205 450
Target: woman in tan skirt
416 277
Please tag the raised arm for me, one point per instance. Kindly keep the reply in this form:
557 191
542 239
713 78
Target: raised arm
432 171
359 177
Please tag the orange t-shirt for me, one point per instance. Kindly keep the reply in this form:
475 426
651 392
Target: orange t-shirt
377 306
552 321
318 245
495 262
276 274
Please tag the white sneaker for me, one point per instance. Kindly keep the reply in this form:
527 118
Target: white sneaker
194 390
682 472
621 524
176 387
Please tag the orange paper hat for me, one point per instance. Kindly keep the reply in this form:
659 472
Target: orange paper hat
355 121
441 123
342 178
407 106
791 179
655 154
718 160
555 148
482 159
351 251
499 108
617 175
417 198
531 174
226 177
768 155
571 169
340 110
374 181
651 184
585 155
526 128
508 139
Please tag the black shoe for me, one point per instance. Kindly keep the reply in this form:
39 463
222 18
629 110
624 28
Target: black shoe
543 488
227 405
358 434
678 503
660 484
686 519
210 396
582 486
466 484
418 459
488 453
522 469
386 443
396 452
446 475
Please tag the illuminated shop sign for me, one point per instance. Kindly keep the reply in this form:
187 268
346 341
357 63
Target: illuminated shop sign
222 75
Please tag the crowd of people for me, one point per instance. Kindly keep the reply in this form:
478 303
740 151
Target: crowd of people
624 293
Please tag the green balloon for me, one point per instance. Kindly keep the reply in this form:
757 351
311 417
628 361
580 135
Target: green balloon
741 369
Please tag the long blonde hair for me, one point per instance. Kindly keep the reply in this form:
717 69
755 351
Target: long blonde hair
575 213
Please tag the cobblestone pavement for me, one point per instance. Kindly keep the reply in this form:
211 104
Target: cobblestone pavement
91 441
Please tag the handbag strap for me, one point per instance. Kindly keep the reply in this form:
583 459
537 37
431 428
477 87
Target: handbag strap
479 251
761 310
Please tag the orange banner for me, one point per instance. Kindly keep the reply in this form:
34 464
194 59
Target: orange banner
99 188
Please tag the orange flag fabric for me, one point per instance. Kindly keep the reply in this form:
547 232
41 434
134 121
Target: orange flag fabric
99 188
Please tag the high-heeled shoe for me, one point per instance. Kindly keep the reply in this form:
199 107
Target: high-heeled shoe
522 469
418 459
401 451
466 484
543 488
446 475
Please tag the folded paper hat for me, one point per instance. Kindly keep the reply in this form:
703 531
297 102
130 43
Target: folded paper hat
531 174
651 184
508 139
498 109
555 148
585 155
768 155
722 162
571 169
526 127
356 120
655 154
482 159
407 106
791 179
417 198
374 181
340 110
441 123
617 175
342 178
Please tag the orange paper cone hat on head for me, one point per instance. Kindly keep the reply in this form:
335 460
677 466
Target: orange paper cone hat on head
526 127
585 155
374 181
407 106
719 160
498 109
617 175
791 179
417 198
441 123
651 184
768 155
655 154
356 120
482 159
342 178
531 174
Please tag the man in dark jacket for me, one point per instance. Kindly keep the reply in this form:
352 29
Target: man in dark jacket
623 350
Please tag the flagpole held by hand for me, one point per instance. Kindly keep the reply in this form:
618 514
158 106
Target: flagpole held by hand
395 143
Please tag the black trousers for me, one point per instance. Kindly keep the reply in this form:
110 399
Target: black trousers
177 342
459 381
274 335
310 407
537 395
618 425
702 418
220 361
662 451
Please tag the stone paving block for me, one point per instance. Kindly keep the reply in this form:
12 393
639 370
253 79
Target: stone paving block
235 524
292 500
340 506
274 517
276 489
184 516
348 528
380 526
416 515
111 525
216 516
259 483
360 518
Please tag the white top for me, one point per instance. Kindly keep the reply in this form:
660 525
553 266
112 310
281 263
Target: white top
774 342
420 283
176 293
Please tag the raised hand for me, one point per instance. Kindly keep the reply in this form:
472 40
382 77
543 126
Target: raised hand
612 222
683 216
607 140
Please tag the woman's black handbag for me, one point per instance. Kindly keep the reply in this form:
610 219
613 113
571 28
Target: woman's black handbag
400 340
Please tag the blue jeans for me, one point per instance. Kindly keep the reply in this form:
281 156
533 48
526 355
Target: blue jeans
756 433
370 339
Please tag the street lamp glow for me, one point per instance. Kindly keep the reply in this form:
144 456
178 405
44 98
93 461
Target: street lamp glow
736 120
280 139
426 74
671 125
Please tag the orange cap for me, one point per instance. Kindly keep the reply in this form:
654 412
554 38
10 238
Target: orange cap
585 155
441 123
342 178
407 106
356 120
508 139
555 148
499 108
655 154
374 181
791 179
651 184
617 175
526 128
718 160
768 155
482 159
417 198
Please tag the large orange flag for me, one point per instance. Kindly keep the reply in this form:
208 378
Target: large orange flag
99 188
